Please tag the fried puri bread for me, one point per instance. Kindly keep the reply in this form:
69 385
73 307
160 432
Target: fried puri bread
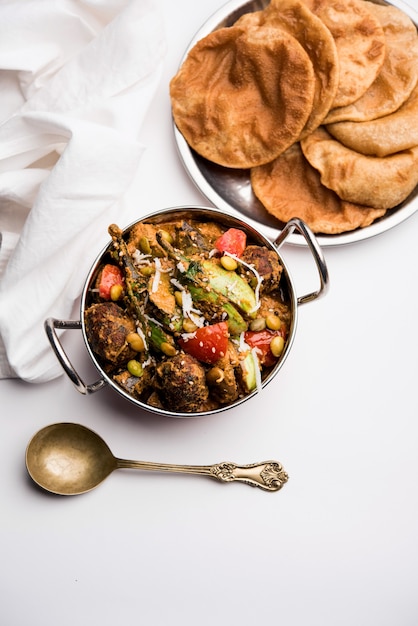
360 42
290 187
243 95
383 136
294 17
378 182
398 75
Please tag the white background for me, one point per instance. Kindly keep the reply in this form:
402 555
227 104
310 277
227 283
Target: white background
338 545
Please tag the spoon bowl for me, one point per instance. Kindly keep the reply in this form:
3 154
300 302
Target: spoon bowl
70 459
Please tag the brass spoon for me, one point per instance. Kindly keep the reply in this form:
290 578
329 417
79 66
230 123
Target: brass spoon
69 459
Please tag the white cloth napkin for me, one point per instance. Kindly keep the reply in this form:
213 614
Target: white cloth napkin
76 78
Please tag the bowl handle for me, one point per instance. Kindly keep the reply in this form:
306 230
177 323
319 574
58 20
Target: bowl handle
50 325
297 224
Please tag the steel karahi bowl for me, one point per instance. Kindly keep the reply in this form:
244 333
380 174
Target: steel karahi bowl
226 221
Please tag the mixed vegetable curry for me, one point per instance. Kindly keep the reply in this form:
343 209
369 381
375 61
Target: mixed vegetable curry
187 316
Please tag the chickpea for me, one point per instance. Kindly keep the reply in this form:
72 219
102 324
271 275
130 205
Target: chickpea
144 245
136 342
258 324
178 296
273 321
215 375
277 345
146 270
189 326
228 263
166 236
134 368
168 349
115 292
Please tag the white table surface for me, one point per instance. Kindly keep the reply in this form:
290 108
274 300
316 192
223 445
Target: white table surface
338 545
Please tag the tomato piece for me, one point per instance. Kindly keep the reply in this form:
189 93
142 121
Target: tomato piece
109 276
260 340
233 241
208 344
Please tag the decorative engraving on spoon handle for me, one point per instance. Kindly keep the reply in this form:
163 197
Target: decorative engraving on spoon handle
268 475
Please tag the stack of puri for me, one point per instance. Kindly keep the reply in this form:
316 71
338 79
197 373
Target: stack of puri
318 99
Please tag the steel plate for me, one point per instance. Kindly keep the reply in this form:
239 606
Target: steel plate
230 189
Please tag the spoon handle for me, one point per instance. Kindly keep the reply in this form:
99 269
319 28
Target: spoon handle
268 475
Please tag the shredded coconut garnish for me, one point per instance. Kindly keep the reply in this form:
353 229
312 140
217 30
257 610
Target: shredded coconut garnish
173 322
140 258
258 381
186 337
157 276
256 274
149 361
230 288
152 319
189 310
176 283
242 345
142 335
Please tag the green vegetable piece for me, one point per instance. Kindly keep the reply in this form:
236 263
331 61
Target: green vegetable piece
235 321
193 271
248 372
157 336
232 286
175 323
